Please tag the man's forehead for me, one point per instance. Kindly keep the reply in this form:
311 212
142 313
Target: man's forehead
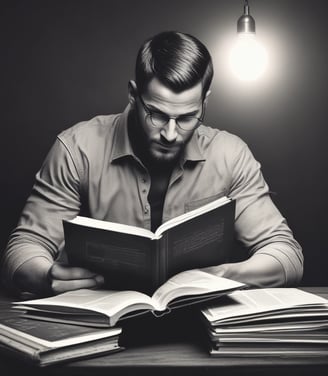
159 94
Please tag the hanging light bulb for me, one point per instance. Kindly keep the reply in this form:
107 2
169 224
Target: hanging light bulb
248 58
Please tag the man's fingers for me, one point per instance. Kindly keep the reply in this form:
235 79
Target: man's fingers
65 272
60 286
65 278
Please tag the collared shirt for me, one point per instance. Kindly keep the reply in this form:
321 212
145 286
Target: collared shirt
92 170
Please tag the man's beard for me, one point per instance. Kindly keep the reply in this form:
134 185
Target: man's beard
152 151
164 153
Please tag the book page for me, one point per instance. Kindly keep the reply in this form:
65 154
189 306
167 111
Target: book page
281 352
291 327
191 282
258 301
191 214
139 231
113 226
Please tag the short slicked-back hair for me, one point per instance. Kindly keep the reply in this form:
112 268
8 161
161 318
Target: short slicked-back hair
179 61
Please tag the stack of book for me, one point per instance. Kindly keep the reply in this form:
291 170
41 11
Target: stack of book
282 322
83 323
44 343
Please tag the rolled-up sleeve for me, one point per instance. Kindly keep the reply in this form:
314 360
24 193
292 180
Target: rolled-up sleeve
54 197
259 224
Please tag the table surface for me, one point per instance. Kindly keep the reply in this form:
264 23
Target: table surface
177 343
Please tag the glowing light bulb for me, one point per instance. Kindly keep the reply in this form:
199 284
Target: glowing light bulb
248 58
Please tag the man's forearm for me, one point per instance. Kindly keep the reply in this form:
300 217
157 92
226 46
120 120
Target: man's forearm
260 270
32 276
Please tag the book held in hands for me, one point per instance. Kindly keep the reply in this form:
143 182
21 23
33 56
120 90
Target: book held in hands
135 258
103 308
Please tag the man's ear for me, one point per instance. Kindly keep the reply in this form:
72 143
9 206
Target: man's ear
206 98
133 92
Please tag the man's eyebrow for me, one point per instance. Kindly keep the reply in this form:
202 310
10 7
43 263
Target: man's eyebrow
155 109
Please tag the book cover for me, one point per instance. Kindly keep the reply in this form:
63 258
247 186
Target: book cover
43 343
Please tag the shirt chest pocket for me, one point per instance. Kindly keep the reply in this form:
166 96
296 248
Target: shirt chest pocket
195 204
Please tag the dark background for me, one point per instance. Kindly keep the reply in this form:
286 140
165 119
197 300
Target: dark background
67 60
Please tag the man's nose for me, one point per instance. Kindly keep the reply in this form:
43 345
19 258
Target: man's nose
169 132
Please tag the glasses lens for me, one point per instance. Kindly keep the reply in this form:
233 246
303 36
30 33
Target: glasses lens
159 120
187 122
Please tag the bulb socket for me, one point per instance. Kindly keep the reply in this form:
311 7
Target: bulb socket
246 23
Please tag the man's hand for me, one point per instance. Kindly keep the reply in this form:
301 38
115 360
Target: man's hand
42 277
63 278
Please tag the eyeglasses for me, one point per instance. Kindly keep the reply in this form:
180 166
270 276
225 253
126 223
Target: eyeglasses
184 122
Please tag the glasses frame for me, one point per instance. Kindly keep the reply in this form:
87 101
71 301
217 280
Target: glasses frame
176 118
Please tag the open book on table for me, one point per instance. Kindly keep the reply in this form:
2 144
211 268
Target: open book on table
135 258
105 308
265 307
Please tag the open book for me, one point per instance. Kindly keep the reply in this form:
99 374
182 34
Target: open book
104 308
266 306
135 258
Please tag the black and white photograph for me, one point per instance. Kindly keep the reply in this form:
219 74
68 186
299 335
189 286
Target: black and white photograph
163 187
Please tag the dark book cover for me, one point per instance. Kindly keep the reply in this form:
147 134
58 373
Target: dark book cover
41 343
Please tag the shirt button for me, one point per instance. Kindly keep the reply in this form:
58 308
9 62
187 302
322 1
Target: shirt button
146 210
144 190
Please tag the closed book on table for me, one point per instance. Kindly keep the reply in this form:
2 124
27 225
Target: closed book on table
44 343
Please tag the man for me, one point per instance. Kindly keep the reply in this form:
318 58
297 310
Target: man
142 167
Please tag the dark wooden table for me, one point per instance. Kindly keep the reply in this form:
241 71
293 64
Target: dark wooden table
175 344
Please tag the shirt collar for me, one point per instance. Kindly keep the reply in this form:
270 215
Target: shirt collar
122 146
121 141
193 150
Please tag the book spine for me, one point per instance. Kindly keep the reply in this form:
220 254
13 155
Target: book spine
19 350
162 257
7 336
155 264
